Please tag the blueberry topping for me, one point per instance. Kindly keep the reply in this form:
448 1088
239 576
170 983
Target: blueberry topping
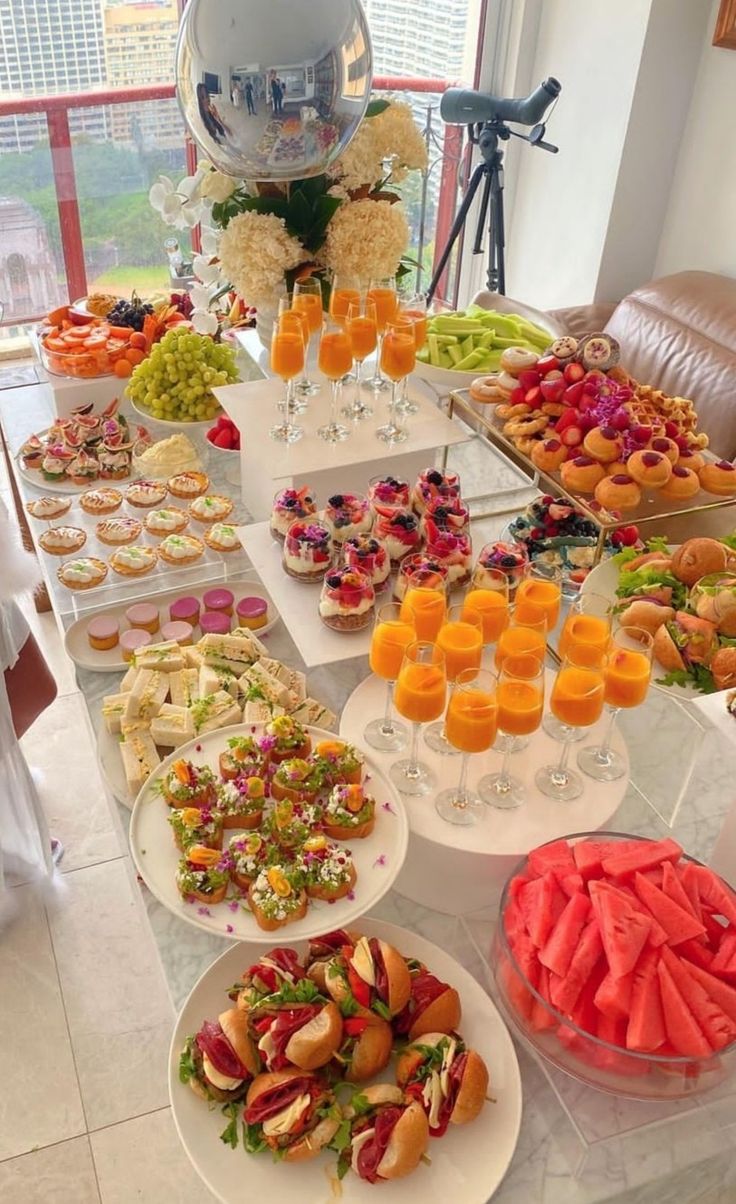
290 503
333 581
373 545
434 477
336 501
441 512
508 562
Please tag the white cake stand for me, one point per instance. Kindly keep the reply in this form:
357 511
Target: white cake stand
458 869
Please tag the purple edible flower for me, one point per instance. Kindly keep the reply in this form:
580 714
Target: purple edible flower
233 905
229 928
387 807
380 860
203 911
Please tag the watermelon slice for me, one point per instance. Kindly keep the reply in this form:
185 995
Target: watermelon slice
724 962
526 957
674 890
644 856
589 854
541 1017
624 929
721 992
718 1028
559 949
657 935
614 1032
645 1030
555 856
683 1030
541 902
571 884
564 992
513 922
712 891
679 924
613 997
696 952
516 885
690 886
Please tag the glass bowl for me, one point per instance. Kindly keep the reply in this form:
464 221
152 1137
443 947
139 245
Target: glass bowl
585 1057
79 365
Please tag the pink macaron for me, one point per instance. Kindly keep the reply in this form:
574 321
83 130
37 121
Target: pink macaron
185 610
219 599
132 641
178 631
214 622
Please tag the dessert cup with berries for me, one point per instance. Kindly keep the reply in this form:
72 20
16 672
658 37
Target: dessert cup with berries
347 600
308 551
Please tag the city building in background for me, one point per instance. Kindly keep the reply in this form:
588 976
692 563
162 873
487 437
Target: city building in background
140 44
49 46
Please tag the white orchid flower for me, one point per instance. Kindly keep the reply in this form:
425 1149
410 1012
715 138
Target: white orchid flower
203 321
205 271
190 213
209 240
189 185
158 192
200 296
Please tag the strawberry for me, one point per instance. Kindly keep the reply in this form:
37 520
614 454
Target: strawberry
529 378
534 397
569 417
224 438
573 373
552 388
548 363
517 396
572 436
573 392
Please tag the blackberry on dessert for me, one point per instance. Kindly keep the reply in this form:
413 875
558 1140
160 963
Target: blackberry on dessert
347 514
399 532
366 554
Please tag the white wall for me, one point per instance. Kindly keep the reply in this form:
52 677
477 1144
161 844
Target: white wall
700 224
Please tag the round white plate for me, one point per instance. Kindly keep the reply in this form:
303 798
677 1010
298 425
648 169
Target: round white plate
603 580
468 1163
175 424
111 766
110 661
378 858
34 476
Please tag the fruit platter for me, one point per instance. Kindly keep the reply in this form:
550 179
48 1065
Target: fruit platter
615 959
686 598
75 452
174 383
462 343
575 415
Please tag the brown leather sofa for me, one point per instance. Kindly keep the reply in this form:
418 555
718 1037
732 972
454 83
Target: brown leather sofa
678 334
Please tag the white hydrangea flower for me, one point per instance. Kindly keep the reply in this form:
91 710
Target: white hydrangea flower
203 321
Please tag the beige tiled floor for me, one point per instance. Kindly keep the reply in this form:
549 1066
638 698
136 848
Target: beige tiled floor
84 1009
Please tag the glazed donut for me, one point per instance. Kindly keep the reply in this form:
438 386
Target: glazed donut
619 492
517 359
603 443
683 483
522 428
517 411
719 478
666 447
506 383
582 474
649 468
526 445
689 458
485 390
549 455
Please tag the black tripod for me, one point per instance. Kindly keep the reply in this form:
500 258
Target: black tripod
486 137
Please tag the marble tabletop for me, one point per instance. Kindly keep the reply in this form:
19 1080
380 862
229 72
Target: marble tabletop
576 1146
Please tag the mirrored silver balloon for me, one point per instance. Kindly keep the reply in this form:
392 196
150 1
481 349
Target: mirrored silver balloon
273 89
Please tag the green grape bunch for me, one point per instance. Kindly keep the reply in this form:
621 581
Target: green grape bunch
175 381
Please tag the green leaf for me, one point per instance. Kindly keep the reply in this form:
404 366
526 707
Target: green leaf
375 107
229 1135
187 1068
658 543
313 188
360 1104
253 1139
381 1008
298 215
266 204
730 541
341 1140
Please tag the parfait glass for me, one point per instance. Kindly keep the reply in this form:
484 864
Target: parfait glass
520 698
461 639
392 635
420 694
413 308
577 701
307 299
287 361
398 357
362 331
471 728
335 359
382 292
626 677
588 623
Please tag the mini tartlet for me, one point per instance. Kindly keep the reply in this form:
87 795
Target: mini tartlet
84 573
46 508
63 541
221 537
180 549
188 484
210 508
101 501
145 493
118 531
133 561
168 521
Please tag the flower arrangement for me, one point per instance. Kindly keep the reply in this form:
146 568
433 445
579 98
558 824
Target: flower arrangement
259 237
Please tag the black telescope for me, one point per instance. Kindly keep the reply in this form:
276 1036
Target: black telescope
463 106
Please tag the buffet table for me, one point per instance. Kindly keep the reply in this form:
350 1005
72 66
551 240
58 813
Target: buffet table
576 1145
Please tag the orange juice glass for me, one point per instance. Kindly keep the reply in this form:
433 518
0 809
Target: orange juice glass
626 675
461 639
542 588
345 291
287 361
492 606
335 361
307 300
362 330
426 609
398 357
576 701
382 292
421 690
392 635
471 723
525 634
588 622
413 310
520 699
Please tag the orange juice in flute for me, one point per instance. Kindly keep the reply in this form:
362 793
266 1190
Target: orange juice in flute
335 361
413 309
492 604
287 361
588 622
426 609
345 291
461 639
471 723
526 633
520 698
382 292
307 300
576 701
626 677
398 357
392 635
543 588
420 694
362 330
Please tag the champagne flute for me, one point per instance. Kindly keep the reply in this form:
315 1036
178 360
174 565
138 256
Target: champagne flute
307 299
626 679
398 357
345 290
382 291
413 307
520 698
577 701
425 607
335 359
420 694
491 602
287 361
362 330
392 635
588 623
525 633
471 728
461 639
290 318
542 586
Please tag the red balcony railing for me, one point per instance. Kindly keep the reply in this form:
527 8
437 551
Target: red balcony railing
56 109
